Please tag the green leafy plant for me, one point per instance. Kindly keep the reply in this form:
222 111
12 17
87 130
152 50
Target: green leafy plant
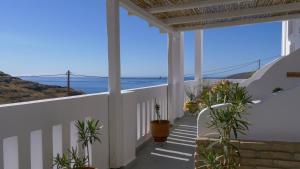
225 92
79 160
61 162
229 122
157 110
88 133
71 160
210 159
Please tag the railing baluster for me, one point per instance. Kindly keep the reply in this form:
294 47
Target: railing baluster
166 108
144 119
162 108
37 150
1 154
57 140
141 120
148 118
11 154
152 110
66 136
138 121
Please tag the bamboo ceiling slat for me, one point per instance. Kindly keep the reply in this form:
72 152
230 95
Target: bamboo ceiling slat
213 9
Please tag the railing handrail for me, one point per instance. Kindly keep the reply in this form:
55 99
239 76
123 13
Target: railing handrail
148 87
52 99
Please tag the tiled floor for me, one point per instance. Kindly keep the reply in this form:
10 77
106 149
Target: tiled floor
176 153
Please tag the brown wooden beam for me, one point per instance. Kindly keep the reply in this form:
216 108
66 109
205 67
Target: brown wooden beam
293 74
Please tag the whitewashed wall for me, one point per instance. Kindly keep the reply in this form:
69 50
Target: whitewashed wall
33 132
276 117
274 75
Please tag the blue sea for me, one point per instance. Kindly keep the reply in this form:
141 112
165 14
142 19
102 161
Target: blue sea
99 84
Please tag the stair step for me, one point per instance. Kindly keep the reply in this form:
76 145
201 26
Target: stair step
270 163
275 155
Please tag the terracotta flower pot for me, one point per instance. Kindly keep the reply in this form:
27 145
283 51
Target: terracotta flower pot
160 130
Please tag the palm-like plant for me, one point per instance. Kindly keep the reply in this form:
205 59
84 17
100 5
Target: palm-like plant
157 110
238 95
61 162
73 159
227 122
211 159
79 160
88 133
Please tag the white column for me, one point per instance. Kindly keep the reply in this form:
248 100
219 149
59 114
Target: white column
175 75
115 98
199 56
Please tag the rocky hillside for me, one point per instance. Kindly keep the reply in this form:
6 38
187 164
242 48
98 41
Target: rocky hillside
13 89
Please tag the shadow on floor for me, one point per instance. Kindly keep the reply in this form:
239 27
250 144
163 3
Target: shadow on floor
176 153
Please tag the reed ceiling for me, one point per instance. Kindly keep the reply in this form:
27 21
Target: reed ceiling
200 14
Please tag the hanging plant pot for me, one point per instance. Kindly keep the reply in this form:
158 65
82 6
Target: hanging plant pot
160 130
192 107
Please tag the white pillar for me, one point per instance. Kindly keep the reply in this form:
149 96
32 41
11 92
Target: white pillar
115 98
199 56
175 75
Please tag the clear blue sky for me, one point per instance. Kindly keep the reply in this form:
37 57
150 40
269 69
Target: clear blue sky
52 36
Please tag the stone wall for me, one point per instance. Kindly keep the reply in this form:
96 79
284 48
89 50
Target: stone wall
260 154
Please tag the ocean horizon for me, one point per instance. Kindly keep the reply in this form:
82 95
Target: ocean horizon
95 84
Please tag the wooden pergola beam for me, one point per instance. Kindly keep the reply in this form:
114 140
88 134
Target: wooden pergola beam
137 11
192 5
238 13
240 22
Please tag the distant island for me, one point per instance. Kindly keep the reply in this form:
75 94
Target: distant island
14 89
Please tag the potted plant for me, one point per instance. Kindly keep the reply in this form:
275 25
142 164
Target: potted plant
193 100
88 133
160 129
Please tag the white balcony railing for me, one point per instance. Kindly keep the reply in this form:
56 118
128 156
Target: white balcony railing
33 132
145 98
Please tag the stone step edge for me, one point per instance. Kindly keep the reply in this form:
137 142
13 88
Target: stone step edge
282 164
